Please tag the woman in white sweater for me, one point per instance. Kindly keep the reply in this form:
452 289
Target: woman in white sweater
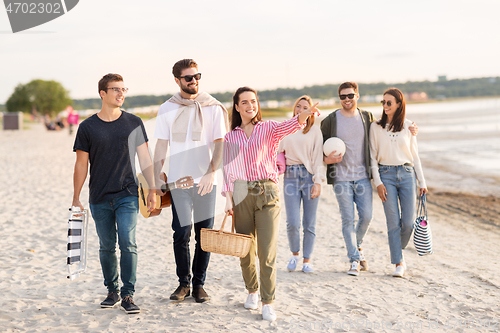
394 164
302 184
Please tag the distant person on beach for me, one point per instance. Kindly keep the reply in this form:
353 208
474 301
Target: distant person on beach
53 125
109 140
193 124
350 173
394 164
59 122
251 190
73 119
303 177
49 124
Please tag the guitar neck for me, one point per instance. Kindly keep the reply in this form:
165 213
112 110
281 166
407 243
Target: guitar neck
168 187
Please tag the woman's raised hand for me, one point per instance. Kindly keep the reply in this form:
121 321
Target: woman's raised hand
309 112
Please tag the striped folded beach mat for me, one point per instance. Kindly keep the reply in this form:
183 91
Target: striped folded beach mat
77 242
422 235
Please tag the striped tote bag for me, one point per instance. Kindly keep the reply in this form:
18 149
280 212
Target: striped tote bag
77 242
422 235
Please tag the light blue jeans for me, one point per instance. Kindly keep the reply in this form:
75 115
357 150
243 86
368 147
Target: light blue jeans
297 189
348 193
401 187
117 217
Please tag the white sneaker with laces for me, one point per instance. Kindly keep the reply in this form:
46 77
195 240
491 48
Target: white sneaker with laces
399 272
292 263
252 301
354 270
307 268
268 312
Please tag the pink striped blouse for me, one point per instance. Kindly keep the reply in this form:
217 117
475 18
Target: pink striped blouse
254 158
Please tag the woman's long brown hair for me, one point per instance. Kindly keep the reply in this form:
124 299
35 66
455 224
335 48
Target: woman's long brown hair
398 119
235 115
310 119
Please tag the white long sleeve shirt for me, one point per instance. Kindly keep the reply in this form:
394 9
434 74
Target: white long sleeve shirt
306 149
394 148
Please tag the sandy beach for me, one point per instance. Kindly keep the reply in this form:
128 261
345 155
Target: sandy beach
455 289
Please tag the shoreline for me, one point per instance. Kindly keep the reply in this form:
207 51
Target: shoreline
481 209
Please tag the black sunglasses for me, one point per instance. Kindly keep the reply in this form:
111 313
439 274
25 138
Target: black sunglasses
388 103
351 96
190 78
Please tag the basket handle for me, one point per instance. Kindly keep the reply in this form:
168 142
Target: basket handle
224 223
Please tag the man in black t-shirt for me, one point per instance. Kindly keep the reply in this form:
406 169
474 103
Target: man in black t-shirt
109 141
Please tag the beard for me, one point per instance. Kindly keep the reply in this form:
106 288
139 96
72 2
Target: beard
352 107
191 90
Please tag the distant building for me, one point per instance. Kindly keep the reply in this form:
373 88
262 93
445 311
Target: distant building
442 78
269 104
417 96
285 104
144 109
325 102
371 98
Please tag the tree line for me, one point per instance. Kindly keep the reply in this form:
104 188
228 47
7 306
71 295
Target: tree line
477 87
50 96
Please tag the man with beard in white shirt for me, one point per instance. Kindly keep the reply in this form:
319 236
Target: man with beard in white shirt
193 124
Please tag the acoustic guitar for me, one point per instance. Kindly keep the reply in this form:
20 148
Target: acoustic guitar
164 200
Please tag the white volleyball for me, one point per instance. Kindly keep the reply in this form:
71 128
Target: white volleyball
334 144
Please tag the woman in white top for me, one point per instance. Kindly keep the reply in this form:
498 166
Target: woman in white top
302 184
394 164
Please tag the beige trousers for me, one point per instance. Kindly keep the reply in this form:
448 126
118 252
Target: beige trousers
257 213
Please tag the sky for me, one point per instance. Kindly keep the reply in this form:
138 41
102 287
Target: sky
262 44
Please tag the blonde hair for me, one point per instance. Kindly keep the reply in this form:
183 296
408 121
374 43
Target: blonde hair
310 120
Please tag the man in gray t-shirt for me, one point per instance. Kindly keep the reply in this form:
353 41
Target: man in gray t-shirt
352 165
350 173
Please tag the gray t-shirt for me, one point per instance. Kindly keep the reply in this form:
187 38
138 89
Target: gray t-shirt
351 131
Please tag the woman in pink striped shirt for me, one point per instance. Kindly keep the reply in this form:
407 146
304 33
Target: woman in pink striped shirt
251 191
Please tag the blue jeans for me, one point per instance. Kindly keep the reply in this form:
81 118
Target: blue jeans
348 193
186 205
297 188
117 217
401 187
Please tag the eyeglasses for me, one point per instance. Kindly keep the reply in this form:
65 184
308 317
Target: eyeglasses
388 103
351 96
119 90
190 78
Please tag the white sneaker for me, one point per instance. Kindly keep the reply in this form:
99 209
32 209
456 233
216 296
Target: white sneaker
268 312
399 272
292 263
354 270
307 268
252 301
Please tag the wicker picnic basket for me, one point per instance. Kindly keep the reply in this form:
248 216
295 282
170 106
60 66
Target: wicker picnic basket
223 242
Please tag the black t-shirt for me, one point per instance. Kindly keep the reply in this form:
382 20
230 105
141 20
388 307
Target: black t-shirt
112 148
